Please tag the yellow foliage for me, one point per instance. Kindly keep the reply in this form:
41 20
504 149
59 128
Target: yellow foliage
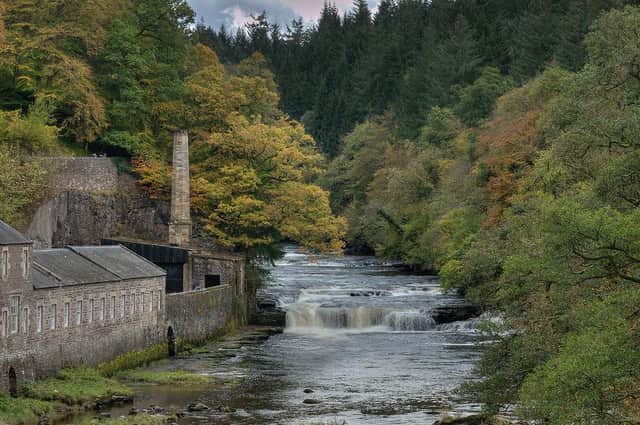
154 177
251 167
2 36
258 184
202 57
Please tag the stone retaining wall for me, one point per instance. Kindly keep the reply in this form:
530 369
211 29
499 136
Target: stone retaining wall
88 200
82 174
198 315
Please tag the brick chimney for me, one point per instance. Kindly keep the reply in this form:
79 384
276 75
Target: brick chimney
180 224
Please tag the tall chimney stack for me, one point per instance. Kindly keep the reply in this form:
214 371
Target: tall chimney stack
180 224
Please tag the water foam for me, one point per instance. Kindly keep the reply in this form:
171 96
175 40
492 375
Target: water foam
313 315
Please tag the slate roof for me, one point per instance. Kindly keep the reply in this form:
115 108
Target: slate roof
120 261
74 266
10 236
43 280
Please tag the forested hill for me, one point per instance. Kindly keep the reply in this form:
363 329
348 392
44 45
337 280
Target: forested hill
408 57
498 143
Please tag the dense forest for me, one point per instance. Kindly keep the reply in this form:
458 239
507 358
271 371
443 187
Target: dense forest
496 142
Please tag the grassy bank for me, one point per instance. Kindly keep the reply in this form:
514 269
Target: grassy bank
69 391
78 387
26 410
73 390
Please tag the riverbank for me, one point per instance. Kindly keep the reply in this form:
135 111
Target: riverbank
86 395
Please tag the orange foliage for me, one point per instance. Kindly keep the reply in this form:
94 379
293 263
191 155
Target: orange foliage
154 177
1 23
507 145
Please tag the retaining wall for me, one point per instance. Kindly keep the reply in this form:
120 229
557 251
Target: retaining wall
88 199
199 315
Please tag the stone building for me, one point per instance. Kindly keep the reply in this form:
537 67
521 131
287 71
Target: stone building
73 306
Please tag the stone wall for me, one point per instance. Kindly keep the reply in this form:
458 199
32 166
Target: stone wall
82 174
37 350
198 315
230 270
89 199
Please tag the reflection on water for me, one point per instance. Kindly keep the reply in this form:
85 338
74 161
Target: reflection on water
360 346
360 335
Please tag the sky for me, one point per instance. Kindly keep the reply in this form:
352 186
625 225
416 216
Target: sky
235 13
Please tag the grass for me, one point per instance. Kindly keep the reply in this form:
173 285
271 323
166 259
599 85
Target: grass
24 410
133 360
77 387
164 378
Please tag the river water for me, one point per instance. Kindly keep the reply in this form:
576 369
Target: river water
359 339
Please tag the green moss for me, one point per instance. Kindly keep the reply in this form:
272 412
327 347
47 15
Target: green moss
24 410
164 378
77 387
133 360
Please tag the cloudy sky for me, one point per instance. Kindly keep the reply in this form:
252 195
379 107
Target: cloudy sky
234 13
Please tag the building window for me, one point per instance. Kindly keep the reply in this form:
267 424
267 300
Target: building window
132 301
79 313
90 311
5 263
40 318
142 302
67 315
159 300
5 323
54 316
211 280
101 312
25 321
113 308
123 306
25 262
15 314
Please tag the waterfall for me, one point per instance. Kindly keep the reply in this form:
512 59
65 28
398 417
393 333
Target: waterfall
307 315
409 321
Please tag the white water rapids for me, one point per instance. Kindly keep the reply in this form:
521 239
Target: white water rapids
305 315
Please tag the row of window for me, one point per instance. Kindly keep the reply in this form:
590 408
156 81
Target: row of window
118 308
4 263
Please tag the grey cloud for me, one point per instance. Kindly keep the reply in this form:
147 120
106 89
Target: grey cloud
218 12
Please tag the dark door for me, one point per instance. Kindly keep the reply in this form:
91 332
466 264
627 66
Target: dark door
174 277
13 383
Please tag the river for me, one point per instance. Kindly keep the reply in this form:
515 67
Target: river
359 339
